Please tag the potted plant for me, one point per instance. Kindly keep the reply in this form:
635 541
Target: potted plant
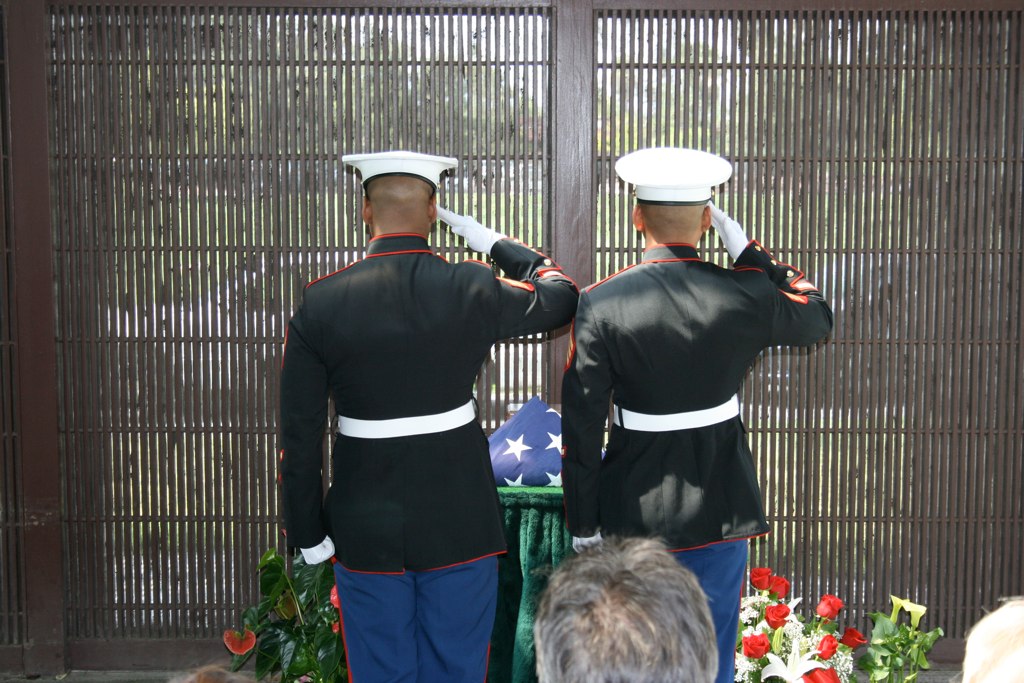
294 630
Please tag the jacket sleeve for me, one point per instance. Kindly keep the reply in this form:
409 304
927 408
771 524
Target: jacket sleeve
800 314
586 392
536 296
304 394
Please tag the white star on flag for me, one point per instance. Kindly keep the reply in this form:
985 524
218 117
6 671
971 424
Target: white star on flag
517 447
533 434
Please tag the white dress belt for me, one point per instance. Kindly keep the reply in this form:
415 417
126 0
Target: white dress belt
642 422
407 426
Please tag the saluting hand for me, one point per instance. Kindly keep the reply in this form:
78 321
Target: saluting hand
478 237
731 232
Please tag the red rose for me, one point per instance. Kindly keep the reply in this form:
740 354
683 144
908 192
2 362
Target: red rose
852 638
821 676
776 615
779 586
334 597
239 643
760 577
828 646
829 607
756 646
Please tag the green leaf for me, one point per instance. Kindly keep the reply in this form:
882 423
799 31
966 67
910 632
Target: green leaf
273 581
270 557
238 661
251 618
777 641
328 651
883 630
288 648
306 581
268 653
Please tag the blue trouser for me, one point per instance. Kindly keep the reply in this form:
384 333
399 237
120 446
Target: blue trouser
720 569
419 627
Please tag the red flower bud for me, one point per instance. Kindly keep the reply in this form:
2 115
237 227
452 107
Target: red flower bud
334 597
760 577
776 615
756 646
829 607
779 586
827 647
852 638
336 626
239 643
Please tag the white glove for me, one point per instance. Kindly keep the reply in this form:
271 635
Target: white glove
730 231
319 553
580 544
478 237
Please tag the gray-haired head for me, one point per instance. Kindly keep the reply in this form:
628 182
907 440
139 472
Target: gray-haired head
624 611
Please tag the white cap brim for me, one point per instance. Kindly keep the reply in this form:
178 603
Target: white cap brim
673 175
425 166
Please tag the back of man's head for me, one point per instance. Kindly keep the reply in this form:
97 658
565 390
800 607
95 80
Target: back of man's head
624 611
399 203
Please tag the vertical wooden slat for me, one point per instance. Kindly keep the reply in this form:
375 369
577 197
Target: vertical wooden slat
12 564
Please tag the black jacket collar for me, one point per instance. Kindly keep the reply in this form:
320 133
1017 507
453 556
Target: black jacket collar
396 243
669 252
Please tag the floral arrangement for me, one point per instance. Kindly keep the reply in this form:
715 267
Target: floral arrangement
294 629
898 650
775 642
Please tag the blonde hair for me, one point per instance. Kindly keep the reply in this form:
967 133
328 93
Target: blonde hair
995 646
213 674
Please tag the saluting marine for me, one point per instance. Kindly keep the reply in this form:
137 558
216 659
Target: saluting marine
396 340
669 341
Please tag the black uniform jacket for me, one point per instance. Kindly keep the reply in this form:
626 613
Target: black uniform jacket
674 334
403 333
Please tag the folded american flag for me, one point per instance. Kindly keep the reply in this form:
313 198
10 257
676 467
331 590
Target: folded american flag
527 449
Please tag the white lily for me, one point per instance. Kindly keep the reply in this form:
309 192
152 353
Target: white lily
793 670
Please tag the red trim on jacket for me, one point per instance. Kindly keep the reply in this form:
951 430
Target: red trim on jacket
528 286
571 354
601 282
324 277
432 569
724 540
397 253
344 639
397 234
799 298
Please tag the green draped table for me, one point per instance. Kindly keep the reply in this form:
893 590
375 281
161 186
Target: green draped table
537 541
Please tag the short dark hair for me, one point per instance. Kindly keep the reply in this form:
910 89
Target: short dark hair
624 611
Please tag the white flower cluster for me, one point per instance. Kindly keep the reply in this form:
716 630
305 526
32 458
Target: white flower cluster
750 607
842 663
745 669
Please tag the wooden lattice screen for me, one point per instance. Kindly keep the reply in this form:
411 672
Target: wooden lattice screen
880 152
199 190
195 186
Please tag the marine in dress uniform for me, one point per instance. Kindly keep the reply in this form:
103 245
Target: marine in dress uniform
396 341
668 342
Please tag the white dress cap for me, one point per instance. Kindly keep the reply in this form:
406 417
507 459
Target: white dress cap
425 166
673 175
